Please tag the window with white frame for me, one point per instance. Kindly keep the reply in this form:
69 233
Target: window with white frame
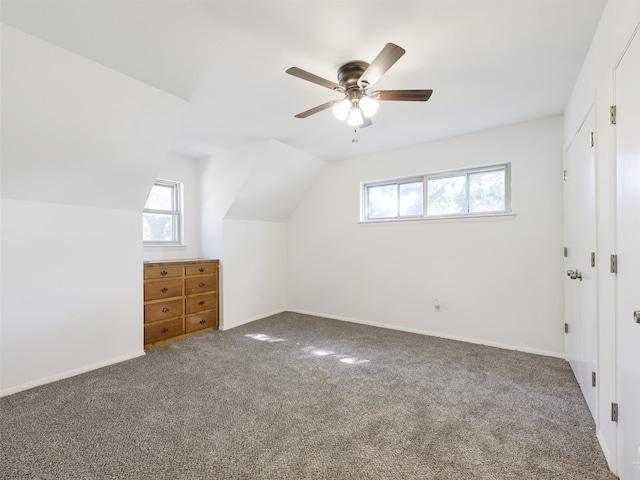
162 214
397 199
469 192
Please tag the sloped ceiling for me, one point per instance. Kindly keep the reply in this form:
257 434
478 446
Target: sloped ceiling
278 180
77 133
489 62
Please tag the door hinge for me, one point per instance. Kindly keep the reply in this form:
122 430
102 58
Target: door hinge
593 259
593 379
612 115
566 252
564 175
591 140
614 263
566 328
614 412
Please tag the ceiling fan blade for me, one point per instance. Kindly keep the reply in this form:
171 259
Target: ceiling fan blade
317 109
367 122
402 95
310 77
383 62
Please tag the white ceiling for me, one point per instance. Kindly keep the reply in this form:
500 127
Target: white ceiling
489 62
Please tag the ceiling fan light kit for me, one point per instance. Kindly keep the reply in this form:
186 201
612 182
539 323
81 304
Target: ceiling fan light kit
355 78
355 105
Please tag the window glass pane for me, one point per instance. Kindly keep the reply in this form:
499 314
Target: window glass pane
486 191
159 227
161 198
447 196
382 201
411 199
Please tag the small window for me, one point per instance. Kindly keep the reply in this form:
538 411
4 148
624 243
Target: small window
162 214
477 191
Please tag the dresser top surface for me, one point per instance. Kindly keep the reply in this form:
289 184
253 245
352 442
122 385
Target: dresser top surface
186 261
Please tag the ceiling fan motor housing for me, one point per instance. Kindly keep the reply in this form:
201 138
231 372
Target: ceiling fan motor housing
349 73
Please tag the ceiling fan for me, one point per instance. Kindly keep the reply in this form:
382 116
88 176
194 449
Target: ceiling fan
354 81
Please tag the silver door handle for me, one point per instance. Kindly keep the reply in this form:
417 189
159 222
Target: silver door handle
636 315
574 274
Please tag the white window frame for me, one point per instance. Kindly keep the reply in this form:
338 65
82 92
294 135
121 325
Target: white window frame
176 212
385 183
364 201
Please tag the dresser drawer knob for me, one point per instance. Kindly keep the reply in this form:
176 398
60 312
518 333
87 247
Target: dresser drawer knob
201 269
201 302
164 330
164 289
201 284
165 310
202 322
163 272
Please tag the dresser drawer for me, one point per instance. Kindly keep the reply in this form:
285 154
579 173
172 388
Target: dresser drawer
203 284
154 332
162 310
155 290
200 303
200 321
204 269
162 272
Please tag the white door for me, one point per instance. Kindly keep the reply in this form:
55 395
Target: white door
580 262
627 97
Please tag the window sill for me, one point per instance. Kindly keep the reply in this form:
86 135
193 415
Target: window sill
443 218
163 245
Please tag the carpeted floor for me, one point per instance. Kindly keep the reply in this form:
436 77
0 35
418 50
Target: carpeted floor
300 397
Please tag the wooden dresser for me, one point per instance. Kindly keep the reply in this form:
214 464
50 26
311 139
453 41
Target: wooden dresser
180 300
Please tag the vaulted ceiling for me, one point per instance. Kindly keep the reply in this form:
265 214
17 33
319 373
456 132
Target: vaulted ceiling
489 62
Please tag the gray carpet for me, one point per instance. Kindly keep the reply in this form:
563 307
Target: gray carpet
301 397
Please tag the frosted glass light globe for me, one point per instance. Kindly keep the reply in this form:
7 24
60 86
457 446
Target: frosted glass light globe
341 109
355 117
369 106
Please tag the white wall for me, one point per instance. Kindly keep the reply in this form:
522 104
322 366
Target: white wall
221 178
71 290
81 145
619 20
247 196
179 168
254 270
498 280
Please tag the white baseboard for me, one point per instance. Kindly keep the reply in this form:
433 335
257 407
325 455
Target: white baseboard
505 346
69 373
229 325
611 462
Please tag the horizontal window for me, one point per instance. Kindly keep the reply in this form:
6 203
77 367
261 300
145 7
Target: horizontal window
470 192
